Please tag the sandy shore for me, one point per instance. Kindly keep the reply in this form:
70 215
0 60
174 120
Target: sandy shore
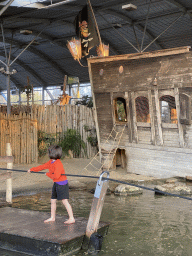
35 182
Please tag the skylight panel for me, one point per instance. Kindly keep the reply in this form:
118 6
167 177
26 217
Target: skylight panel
29 3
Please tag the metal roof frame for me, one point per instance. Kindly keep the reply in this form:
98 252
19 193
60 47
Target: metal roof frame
136 26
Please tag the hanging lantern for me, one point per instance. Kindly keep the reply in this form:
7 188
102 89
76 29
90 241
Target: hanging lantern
103 50
74 47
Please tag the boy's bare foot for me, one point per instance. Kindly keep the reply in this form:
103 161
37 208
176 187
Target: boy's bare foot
69 221
49 220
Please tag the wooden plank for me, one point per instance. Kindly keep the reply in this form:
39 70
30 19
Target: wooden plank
96 208
1 134
25 136
180 127
128 99
169 126
153 54
26 232
9 180
134 117
152 118
94 107
22 139
143 124
158 113
114 107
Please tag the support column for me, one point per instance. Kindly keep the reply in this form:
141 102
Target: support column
180 127
152 121
43 96
158 112
8 91
9 181
134 117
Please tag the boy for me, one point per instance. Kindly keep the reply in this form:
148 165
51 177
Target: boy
60 190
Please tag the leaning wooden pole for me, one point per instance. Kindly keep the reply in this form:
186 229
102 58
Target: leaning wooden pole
97 205
9 180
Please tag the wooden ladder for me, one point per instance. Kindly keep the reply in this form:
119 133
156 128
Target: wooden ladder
110 146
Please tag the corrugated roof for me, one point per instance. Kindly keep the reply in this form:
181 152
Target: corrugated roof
48 59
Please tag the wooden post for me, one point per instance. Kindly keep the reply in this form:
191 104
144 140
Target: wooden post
130 129
152 121
9 181
97 205
180 127
134 117
158 112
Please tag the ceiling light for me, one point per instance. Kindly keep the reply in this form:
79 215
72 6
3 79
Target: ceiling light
26 32
117 25
129 7
8 72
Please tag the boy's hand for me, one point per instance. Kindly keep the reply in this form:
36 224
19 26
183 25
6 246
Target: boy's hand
29 171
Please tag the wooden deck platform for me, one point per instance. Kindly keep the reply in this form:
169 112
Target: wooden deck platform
25 231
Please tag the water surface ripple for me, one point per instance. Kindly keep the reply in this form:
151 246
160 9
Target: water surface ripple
140 225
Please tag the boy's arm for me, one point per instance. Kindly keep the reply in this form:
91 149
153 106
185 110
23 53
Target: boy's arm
40 167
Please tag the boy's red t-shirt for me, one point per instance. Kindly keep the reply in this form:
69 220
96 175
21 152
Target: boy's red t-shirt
55 170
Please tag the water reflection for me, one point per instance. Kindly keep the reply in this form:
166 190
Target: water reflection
140 225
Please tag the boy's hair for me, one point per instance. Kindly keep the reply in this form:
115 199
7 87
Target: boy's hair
55 152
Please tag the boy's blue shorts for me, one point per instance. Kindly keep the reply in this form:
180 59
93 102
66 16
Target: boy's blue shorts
60 192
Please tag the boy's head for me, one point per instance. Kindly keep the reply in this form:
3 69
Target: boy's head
55 152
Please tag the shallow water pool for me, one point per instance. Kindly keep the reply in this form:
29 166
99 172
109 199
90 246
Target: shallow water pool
140 225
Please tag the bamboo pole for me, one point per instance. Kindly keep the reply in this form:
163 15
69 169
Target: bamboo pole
9 180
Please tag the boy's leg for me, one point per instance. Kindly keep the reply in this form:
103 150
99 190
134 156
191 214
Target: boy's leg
53 210
69 211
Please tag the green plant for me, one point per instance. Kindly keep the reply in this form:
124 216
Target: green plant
87 129
121 111
92 137
44 141
71 140
86 101
92 140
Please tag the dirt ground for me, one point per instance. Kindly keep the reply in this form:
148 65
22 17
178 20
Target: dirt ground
35 182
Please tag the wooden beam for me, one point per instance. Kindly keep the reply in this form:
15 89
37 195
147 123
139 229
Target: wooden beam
97 206
180 127
95 110
134 117
129 123
143 55
152 118
9 181
113 108
158 113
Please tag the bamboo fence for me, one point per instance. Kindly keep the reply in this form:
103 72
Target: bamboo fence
56 119
21 130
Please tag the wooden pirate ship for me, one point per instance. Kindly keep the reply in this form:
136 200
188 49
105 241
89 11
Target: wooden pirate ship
149 93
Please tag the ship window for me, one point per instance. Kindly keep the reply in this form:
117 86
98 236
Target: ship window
168 109
142 109
120 109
